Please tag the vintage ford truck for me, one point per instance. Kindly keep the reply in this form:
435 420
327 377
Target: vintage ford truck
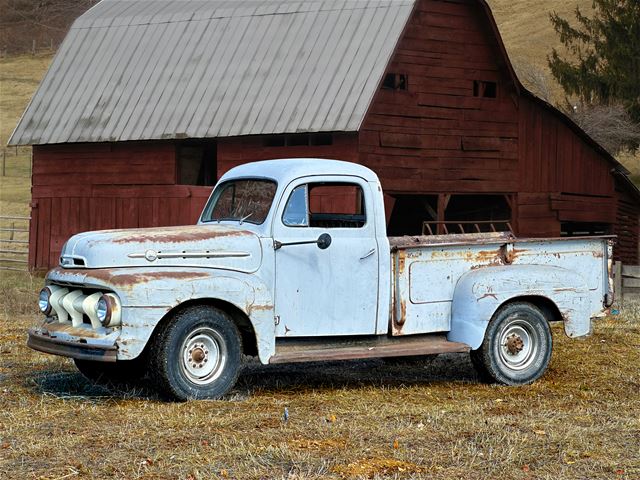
290 262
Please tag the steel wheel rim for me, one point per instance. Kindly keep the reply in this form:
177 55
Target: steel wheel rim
519 344
203 355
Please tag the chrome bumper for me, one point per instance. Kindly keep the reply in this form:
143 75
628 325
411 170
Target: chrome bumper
42 342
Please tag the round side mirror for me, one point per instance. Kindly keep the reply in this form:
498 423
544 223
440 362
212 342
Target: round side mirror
324 241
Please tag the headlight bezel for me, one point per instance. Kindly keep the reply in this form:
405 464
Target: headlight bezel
49 307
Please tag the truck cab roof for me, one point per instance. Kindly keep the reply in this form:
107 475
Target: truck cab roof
287 169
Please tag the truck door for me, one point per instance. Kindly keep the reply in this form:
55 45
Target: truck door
331 290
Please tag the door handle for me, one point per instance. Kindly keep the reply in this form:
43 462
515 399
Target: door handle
369 253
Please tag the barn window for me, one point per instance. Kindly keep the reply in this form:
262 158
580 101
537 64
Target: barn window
298 140
196 163
395 81
485 89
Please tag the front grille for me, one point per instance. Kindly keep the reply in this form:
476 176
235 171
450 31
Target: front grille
74 306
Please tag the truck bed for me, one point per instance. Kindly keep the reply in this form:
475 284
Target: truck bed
426 270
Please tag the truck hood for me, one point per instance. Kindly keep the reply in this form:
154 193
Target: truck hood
207 246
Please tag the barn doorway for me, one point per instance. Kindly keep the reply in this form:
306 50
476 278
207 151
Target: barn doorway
441 214
196 162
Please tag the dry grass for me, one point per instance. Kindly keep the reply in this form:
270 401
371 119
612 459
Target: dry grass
361 419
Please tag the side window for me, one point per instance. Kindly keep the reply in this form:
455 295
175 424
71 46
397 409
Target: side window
296 213
326 205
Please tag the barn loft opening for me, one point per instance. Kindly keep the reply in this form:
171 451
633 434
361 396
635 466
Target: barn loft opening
395 81
485 89
582 229
196 162
448 214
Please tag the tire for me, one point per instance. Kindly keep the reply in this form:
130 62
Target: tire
517 346
196 355
121 374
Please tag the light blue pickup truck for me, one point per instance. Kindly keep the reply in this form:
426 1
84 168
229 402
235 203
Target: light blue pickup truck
290 262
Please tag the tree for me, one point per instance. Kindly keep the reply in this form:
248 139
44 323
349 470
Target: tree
603 67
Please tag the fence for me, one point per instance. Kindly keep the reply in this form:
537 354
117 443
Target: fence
14 243
626 282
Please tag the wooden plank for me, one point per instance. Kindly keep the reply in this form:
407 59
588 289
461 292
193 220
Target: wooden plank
617 279
628 282
631 271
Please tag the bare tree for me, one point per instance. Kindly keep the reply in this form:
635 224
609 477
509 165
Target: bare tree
610 125
534 79
44 21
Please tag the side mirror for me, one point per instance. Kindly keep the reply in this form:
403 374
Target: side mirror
324 241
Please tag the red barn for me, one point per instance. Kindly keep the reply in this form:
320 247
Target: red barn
147 103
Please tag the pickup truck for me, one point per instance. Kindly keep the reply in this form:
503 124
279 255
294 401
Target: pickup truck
290 262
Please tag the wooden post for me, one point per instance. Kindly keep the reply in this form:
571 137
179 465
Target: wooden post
617 282
33 47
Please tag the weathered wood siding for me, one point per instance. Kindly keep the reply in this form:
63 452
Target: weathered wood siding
437 136
100 186
627 227
235 151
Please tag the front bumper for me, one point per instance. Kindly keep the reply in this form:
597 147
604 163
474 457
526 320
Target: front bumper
67 345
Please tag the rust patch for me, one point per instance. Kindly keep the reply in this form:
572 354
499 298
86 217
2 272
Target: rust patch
52 328
250 309
402 261
176 234
130 279
403 314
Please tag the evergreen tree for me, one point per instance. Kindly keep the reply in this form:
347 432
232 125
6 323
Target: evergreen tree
604 67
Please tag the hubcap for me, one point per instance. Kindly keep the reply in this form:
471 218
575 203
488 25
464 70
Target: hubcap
203 356
519 344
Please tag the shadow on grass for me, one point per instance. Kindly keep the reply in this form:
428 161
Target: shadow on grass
255 377
70 385
356 374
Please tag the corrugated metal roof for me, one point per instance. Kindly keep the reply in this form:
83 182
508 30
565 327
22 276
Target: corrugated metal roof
156 69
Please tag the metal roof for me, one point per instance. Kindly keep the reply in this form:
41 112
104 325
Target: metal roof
160 69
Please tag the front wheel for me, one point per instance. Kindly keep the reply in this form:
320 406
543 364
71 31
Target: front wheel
197 355
517 345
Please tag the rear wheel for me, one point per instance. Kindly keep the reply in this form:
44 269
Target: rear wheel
197 355
517 345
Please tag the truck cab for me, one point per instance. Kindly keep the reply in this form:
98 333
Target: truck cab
290 262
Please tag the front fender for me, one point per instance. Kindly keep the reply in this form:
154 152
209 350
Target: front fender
479 293
148 295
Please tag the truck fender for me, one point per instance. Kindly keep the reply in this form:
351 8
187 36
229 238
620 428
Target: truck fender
147 305
480 293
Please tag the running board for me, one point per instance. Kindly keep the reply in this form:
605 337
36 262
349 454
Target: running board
303 350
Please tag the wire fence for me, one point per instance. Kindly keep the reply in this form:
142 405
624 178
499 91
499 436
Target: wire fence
14 243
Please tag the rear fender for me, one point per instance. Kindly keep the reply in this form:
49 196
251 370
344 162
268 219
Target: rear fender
479 293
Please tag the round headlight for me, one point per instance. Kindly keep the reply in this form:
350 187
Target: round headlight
103 310
44 301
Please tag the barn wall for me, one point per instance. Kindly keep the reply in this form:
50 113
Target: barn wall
437 136
235 151
100 186
627 228
562 178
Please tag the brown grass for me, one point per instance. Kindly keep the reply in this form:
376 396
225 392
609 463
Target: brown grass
364 419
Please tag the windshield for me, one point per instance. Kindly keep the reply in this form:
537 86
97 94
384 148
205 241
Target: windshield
241 200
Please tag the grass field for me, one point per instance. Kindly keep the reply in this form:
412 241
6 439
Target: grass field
363 419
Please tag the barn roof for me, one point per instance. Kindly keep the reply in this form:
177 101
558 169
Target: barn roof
161 69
